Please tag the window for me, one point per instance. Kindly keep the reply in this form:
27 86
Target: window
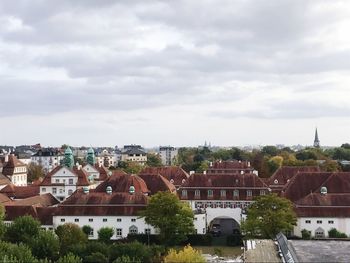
319 221
249 193
197 193
91 220
57 180
118 232
223 193
76 220
63 220
43 189
119 219
54 190
91 233
70 181
133 220
262 192
184 193
307 221
104 219
61 191
236 193
210 193
70 191
133 230
330 222
147 231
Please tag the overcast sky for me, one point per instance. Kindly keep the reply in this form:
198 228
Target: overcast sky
93 72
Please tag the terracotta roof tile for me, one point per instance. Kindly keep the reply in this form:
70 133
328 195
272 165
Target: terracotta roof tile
175 175
156 183
121 183
79 172
20 192
44 200
9 167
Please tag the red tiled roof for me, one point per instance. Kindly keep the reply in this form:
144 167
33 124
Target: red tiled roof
43 214
121 183
4 180
79 172
20 192
156 183
173 174
98 203
285 173
103 171
4 199
44 200
322 211
318 199
224 180
10 166
303 184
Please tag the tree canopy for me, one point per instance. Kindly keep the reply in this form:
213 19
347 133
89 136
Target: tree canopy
173 218
268 216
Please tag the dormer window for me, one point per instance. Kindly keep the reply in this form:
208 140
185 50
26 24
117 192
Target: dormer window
276 181
184 193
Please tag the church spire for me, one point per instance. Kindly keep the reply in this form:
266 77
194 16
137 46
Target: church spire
316 141
90 157
68 160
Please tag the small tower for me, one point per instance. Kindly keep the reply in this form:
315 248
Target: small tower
68 160
90 157
316 141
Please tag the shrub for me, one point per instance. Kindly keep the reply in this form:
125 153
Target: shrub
305 234
70 235
69 258
135 251
199 240
187 254
96 257
105 234
46 245
87 230
334 233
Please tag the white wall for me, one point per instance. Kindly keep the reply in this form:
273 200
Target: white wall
112 221
341 224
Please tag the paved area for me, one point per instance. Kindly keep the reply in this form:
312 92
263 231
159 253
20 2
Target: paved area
264 251
321 251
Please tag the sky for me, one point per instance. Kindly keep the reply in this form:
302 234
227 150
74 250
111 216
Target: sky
92 72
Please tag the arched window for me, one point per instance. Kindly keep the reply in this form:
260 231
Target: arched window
133 230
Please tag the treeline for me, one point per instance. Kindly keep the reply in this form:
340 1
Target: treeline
25 241
267 159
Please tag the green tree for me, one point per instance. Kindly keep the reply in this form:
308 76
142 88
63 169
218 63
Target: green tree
16 252
23 229
70 235
274 163
2 225
153 160
87 230
268 216
334 233
135 251
105 234
35 172
132 167
69 258
46 245
172 217
186 255
269 150
96 257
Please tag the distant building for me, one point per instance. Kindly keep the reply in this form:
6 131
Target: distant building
64 179
316 140
15 170
134 153
48 158
168 154
231 167
106 158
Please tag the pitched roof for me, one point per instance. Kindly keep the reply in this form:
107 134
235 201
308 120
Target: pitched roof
157 183
44 200
79 172
4 179
303 184
20 192
121 183
43 214
234 164
283 174
175 175
103 171
102 204
9 167
4 199
224 181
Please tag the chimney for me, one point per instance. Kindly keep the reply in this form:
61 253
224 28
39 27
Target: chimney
191 172
6 157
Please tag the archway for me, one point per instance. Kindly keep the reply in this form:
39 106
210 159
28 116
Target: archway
223 226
